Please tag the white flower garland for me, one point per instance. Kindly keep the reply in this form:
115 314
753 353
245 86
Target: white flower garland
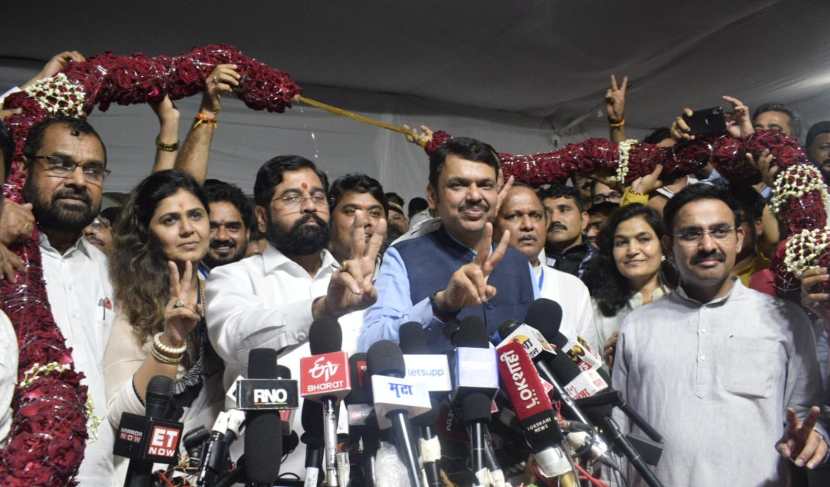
795 182
58 95
804 249
622 166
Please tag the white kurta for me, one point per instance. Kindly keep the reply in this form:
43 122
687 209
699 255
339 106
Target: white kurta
8 374
264 301
81 298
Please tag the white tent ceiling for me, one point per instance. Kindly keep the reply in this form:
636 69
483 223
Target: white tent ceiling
508 72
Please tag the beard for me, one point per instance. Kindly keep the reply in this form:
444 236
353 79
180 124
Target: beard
300 239
69 215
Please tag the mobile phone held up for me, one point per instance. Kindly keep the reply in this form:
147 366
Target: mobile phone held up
707 122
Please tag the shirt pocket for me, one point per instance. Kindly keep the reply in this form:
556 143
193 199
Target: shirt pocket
750 366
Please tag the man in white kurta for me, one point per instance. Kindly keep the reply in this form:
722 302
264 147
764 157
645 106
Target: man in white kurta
271 300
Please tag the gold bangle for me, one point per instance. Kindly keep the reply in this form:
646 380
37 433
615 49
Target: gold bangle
167 350
163 359
166 147
616 125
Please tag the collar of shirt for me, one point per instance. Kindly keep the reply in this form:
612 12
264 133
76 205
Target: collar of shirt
273 259
636 300
80 245
736 289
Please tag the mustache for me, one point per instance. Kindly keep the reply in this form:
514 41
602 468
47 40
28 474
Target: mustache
701 256
309 217
222 243
557 226
482 205
80 194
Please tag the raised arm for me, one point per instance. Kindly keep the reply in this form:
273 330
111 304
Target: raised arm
167 141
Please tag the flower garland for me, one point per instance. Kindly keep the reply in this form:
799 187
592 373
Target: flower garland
49 425
622 165
800 198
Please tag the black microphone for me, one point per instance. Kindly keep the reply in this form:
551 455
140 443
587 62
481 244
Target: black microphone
157 407
263 431
476 382
546 316
413 340
312 416
363 427
396 400
290 440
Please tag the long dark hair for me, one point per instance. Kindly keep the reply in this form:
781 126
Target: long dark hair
138 267
608 287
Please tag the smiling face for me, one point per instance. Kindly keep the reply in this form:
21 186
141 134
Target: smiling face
523 215
637 252
180 224
228 234
465 197
705 243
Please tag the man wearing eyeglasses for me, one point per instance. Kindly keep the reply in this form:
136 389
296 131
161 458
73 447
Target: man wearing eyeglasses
66 163
270 300
717 368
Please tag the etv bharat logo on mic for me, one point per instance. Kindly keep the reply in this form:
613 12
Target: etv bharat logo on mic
324 373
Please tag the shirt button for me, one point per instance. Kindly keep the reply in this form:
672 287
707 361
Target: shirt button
301 336
702 358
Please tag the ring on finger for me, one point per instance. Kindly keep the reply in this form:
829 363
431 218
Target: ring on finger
178 304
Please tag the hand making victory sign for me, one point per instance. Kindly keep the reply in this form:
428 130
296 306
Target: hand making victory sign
801 443
352 287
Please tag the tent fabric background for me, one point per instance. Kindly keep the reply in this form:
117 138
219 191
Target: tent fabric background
523 76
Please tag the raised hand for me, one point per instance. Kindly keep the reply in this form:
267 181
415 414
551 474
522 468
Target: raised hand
812 296
648 183
740 126
765 166
182 313
615 100
468 285
352 287
222 80
801 443
165 110
55 65
680 129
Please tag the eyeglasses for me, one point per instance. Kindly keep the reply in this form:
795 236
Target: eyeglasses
695 234
64 167
296 200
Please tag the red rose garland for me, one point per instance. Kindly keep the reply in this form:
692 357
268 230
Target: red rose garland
48 432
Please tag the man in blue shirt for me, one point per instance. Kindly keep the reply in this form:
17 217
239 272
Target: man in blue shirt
449 268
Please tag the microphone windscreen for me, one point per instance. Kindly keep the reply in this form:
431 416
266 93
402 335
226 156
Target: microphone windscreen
563 368
263 429
312 420
546 316
325 336
507 328
361 389
385 358
475 406
283 372
413 338
471 333
262 363
157 398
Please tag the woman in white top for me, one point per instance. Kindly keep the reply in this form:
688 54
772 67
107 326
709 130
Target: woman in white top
161 236
629 271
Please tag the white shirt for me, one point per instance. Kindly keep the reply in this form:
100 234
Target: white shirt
715 380
571 294
264 301
8 374
606 326
80 295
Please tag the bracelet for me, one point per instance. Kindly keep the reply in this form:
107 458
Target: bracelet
166 147
616 125
162 359
167 351
203 118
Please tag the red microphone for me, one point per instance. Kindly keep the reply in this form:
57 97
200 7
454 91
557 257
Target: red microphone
530 401
324 377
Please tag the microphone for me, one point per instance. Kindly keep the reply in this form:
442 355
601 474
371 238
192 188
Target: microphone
435 372
325 378
396 399
311 419
263 433
362 423
534 410
476 383
151 438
